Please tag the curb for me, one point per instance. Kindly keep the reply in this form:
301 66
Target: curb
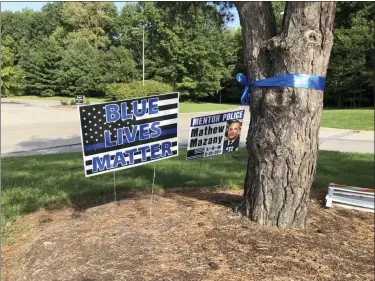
199 112
216 111
58 106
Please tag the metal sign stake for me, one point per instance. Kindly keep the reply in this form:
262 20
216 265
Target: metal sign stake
114 185
152 192
223 169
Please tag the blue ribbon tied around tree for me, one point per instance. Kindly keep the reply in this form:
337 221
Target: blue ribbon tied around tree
305 81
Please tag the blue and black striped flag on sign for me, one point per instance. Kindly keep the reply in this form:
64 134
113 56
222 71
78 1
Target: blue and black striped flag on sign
124 134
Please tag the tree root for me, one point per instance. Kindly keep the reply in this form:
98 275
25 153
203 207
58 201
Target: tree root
240 208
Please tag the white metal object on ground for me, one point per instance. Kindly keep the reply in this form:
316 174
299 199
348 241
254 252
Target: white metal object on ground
350 197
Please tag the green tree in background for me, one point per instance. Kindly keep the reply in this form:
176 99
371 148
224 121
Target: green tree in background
83 47
186 44
231 90
194 44
93 20
42 67
11 75
118 66
130 23
80 70
350 72
52 16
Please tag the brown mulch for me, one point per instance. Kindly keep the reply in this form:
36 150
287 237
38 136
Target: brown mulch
190 236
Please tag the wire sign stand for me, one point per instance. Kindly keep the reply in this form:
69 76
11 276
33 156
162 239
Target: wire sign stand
125 134
223 170
152 191
213 135
114 186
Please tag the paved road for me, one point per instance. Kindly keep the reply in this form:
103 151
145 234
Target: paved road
40 127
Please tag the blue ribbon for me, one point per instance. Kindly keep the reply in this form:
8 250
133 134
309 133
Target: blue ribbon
305 81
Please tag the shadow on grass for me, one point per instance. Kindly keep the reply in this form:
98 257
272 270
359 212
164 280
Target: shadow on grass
48 180
33 182
39 145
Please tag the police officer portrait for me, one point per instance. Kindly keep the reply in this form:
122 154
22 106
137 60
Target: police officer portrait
232 136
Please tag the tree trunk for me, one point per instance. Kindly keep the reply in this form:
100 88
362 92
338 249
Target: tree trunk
282 141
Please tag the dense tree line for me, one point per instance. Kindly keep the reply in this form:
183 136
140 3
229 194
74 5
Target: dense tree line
90 48
351 76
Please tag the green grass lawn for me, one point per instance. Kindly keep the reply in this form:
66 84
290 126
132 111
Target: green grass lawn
185 107
354 119
67 99
32 182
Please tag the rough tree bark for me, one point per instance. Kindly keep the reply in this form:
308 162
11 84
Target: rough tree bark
282 141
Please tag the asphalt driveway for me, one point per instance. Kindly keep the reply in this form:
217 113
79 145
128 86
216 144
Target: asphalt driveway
31 127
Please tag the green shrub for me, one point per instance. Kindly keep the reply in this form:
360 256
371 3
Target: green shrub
119 91
64 102
72 102
47 93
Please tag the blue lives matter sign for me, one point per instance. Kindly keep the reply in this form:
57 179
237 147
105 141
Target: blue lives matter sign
129 133
214 134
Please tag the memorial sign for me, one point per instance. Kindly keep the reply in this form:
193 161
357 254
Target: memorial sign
214 134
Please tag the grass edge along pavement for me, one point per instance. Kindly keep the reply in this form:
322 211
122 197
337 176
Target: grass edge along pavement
184 107
351 119
46 181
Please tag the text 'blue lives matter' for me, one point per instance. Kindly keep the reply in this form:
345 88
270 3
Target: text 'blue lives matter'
129 133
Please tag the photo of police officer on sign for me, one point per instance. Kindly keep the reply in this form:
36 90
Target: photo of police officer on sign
232 136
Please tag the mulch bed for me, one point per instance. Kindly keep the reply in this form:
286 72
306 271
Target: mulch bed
189 236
